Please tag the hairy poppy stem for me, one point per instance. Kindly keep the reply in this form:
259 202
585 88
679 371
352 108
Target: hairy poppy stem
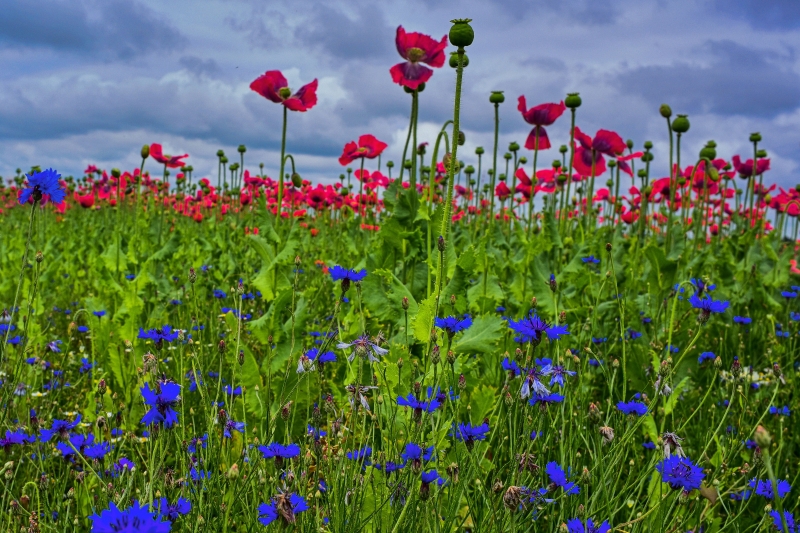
494 159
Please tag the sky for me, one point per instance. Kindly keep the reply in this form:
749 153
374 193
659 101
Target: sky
90 81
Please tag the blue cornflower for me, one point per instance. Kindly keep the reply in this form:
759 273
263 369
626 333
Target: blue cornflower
701 286
86 365
789 294
431 476
632 408
315 433
133 519
312 356
43 186
416 454
533 383
219 294
794 316
363 347
17 437
231 425
130 277
99 314
389 467
440 396
546 399
649 445
590 259
559 477
61 428
633 334
557 373
742 320
284 506
784 411
346 275
197 441
14 340
511 366
530 329
790 523
361 453
199 475
763 487
419 406
500 309
680 473
279 452
706 356
161 404
175 302
159 335
453 324
97 451
707 306
230 391
54 346
599 340
741 496
469 434
82 329
574 525
174 511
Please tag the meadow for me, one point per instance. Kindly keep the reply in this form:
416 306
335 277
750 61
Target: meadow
543 338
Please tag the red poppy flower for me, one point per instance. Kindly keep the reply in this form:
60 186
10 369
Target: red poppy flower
416 48
368 146
622 162
172 161
273 86
604 142
745 169
539 116
502 191
85 200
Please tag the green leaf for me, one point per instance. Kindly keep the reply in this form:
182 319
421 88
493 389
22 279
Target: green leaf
481 337
423 321
669 405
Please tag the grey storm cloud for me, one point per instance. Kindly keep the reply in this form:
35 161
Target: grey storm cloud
110 29
763 14
737 80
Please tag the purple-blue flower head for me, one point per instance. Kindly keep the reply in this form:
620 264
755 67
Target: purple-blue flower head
415 453
706 356
16 437
61 428
132 520
546 399
361 453
531 328
279 452
346 276
707 306
452 324
558 477
574 525
680 473
763 487
44 186
231 425
161 404
431 476
632 408
742 320
511 366
283 506
590 259
173 511
557 373
790 523
157 335
469 434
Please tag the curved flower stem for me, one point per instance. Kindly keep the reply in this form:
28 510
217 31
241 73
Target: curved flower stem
451 171
282 167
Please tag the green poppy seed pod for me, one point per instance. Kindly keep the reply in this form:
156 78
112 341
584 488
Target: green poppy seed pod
563 149
341 177
390 164
453 61
708 152
497 97
680 124
145 151
755 137
462 138
612 163
648 145
642 173
461 33
284 92
682 181
609 183
665 110
507 156
647 157
556 163
469 170
502 177
767 198
116 172
223 159
407 164
513 147
523 160
220 153
242 149
761 154
479 150
562 179
629 144
573 100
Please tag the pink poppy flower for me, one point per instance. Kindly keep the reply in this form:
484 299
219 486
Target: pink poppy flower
539 116
368 146
273 86
622 162
745 169
604 142
416 48
172 161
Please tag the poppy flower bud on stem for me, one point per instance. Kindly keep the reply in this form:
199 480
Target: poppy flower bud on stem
665 110
461 33
145 151
573 100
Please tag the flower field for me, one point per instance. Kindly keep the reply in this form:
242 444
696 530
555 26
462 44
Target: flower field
545 338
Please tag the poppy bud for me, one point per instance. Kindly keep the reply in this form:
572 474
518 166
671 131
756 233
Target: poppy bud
714 175
523 160
665 110
145 151
462 138
761 154
609 183
407 164
461 33
496 98
562 179
297 181
642 173
513 147
573 100
708 152
39 256
680 124
453 61
755 137
629 144
242 149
